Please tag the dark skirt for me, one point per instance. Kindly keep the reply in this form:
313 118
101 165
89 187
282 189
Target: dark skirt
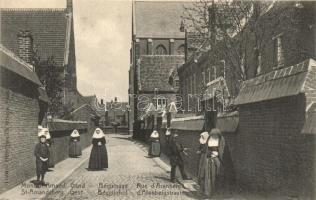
154 148
212 172
98 157
41 167
74 149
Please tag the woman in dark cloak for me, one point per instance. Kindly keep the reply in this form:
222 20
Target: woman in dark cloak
202 158
74 144
41 153
98 157
213 161
154 147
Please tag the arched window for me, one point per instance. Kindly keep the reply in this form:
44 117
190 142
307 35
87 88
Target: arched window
161 50
181 49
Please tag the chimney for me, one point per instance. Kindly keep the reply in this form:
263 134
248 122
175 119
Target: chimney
25 45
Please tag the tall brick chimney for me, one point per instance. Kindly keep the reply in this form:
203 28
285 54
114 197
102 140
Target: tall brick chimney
25 45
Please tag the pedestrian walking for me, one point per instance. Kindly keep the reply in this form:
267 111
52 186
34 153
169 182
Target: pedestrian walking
41 153
98 157
202 158
176 160
74 144
154 146
213 161
49 143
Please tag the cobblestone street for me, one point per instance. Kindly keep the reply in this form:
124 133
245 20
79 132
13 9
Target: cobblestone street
131 175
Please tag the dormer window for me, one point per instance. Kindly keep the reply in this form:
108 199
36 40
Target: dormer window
278 51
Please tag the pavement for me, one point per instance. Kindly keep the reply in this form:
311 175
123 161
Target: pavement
131 175
60 172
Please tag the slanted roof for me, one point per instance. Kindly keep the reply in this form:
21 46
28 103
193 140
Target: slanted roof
154 72
158 19
48 27
11 62
279 83
218 84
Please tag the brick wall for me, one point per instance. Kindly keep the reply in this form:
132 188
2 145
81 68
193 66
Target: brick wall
18 133
269 149
267 152
61 143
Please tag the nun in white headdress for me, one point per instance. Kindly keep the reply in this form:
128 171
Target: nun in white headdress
154 146
74 144
214 157
202 158
99 156
49 143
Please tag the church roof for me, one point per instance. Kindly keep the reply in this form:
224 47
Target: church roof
154 72
158 19
49 28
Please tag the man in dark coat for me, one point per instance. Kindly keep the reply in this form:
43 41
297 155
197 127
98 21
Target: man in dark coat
41 153
176 150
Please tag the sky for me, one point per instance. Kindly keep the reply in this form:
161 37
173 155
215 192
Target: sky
102 42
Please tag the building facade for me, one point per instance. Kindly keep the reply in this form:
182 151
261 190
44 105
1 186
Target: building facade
157 51
287 38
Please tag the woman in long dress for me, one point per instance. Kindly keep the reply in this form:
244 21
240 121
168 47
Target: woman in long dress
154 147
49 143
74 144
98 157
214 156
202 158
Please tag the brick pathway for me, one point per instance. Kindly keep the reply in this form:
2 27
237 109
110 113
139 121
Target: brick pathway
131 175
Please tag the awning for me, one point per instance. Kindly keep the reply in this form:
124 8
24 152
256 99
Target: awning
215 88
284 82
228 123
193 124
62 125
11 62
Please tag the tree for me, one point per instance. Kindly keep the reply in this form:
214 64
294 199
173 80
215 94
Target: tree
221 29
50 76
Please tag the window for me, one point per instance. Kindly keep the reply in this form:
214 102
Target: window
181 50
278 51
177 83
161 50
161 102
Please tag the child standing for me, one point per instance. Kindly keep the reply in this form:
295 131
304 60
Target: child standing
41 153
